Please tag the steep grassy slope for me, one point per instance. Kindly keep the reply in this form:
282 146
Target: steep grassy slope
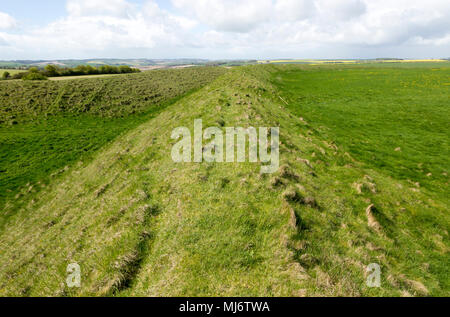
106 215
46 126
139 224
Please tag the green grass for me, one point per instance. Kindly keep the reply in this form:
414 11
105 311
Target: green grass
395 120
33 153
127 193
11 71
140 225
48 126
117 96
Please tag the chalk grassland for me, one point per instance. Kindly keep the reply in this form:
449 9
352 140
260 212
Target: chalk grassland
138 224
46 126
395 120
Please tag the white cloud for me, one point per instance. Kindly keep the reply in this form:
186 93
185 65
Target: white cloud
117 8
238 29
338 10
3 41
229 15
6 21
350 22
91 29
293 10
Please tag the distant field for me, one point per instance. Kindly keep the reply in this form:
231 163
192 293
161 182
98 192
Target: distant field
311 61
12 71
344 62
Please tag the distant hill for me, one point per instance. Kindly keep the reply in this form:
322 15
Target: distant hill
138 63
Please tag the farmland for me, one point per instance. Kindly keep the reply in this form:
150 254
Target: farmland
88 178
377 62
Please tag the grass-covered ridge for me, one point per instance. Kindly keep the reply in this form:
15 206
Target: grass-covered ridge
104 97
46 126
138 224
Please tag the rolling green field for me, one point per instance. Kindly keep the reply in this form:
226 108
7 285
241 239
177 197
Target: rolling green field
362 179
394 120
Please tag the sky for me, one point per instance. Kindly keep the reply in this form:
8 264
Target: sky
224 29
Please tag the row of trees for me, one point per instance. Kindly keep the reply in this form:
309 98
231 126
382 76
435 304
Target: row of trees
55 71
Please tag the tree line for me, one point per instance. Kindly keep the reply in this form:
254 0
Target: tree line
35 73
